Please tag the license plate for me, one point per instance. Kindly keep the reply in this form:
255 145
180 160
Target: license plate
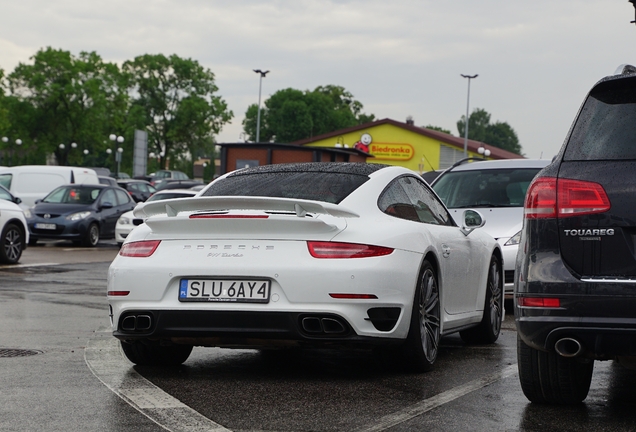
224 290
45 226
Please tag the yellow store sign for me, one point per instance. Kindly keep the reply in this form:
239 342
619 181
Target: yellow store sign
388 151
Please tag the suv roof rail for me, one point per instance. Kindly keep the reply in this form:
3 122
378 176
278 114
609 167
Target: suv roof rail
625 69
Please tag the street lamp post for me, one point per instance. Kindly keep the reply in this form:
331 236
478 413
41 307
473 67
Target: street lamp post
18 142
258 115
117 139
118 156
467 104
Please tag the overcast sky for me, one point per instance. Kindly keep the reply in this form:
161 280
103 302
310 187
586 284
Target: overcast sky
536 60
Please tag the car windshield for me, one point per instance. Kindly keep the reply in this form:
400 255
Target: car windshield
485 188
330 187
73 195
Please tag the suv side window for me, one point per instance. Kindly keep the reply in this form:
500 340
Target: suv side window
409 198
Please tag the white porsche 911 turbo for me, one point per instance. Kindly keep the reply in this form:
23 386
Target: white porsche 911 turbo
305 255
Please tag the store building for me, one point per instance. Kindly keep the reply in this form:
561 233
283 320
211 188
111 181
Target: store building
404 144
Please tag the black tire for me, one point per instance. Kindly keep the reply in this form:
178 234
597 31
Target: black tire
92 236
488 330
422 343
11 244
156 355
549 378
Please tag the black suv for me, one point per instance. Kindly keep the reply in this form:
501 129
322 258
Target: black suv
575 275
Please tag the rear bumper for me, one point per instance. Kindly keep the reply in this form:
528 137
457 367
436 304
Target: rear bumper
604 326
241 329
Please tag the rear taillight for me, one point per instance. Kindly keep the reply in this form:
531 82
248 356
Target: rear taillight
541 199
319 249
139 249
576 197
549 197
543 302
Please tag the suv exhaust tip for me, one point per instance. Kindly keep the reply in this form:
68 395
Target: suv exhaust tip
568 347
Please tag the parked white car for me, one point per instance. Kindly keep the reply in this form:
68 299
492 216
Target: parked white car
305 255
498 189
14 236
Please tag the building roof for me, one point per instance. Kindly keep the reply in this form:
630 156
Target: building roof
294 146
495 152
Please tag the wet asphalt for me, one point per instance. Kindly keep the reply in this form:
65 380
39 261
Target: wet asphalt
61 370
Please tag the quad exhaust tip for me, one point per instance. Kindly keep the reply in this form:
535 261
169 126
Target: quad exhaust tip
318 325
568 347
136 323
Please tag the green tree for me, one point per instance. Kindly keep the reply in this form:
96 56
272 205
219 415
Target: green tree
174 100
290 115
439 129
62 98
498 134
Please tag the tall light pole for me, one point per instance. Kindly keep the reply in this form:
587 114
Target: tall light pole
258 116
467 104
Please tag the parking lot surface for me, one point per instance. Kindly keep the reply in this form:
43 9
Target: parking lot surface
66 373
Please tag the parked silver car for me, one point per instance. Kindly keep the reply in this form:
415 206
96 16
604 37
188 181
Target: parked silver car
498 189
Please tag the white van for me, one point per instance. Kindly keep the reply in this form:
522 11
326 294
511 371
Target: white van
34 182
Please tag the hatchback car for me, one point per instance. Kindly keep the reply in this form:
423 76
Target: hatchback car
14 234
127 221
139 190
81 213
305 255
497 188
575 285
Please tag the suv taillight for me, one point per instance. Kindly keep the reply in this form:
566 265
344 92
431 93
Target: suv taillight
549 197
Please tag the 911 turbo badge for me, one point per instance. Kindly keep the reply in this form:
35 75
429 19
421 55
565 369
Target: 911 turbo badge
589 232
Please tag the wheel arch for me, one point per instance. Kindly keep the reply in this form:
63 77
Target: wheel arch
22 228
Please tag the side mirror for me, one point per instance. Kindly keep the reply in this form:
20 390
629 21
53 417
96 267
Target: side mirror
17 200
472 220
106 205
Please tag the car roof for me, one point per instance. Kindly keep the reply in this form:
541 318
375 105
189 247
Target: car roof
502 163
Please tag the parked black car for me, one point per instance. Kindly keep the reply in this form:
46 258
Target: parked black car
139 190
575 275
81 213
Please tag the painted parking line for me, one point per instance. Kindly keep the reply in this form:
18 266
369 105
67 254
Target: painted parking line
438 400
105 360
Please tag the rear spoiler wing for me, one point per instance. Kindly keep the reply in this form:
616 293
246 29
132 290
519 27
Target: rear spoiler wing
173 207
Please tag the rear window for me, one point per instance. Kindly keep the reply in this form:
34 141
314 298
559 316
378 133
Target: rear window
485 188
606 126
329 187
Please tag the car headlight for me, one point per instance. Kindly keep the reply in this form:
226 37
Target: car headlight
27 213
514 240
78 216
124 221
